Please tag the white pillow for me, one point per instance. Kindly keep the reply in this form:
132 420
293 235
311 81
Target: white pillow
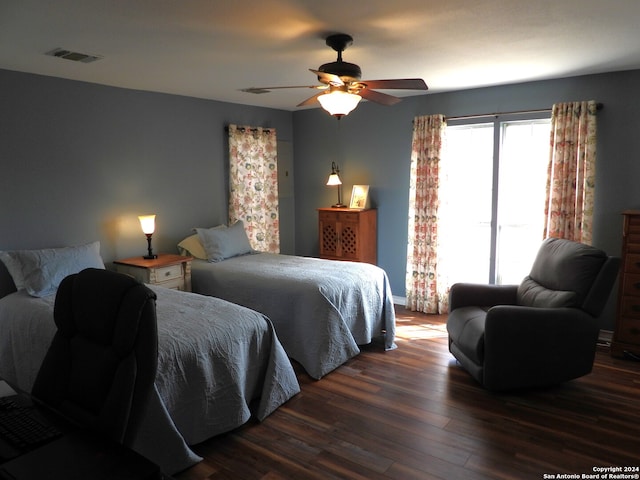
40 272
223 243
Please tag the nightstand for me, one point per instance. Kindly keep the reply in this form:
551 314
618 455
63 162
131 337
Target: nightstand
348 234
170 271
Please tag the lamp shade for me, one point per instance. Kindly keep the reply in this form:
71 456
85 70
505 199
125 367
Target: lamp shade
334 179
338 102
148 223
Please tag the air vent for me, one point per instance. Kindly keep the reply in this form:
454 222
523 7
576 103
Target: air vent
73 56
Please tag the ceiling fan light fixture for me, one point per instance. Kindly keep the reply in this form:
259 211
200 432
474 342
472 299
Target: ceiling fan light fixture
339 103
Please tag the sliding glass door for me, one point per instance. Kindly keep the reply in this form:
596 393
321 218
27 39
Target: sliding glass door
492 198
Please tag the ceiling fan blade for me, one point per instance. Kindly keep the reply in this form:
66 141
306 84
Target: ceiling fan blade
328 78
310 100
397 84
378 97
268 89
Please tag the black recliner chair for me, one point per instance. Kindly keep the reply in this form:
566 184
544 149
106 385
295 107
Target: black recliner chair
541 332
101 364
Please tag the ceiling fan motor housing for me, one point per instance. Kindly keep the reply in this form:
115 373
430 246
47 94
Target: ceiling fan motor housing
348 72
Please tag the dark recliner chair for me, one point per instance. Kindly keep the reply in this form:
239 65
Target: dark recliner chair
539 333
101 364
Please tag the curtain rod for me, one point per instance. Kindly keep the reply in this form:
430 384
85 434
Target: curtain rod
243 129
599 106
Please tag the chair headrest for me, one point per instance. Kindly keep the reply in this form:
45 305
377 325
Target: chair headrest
562 274
101 305
566 265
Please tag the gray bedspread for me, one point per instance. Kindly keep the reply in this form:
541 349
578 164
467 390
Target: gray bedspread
321 309
218 364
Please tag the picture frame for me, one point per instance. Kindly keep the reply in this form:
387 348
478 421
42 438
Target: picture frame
359 197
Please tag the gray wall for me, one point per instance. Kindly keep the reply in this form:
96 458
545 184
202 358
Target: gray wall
81 161
373 145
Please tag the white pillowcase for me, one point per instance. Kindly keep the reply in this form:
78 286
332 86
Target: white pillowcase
222 243
40 272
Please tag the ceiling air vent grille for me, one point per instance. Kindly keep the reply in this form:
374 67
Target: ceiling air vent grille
73 56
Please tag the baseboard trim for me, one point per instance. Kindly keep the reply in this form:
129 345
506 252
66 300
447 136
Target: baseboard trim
605 337
400 301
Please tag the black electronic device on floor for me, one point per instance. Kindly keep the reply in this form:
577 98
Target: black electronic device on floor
36 443
23 426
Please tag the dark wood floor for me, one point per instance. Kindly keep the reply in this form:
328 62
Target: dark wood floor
412 413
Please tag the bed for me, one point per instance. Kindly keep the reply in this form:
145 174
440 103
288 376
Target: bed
219 364
322 310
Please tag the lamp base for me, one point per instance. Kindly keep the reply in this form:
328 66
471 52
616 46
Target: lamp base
338 205
150 255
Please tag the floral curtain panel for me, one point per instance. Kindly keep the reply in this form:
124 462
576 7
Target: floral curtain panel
571 172
424 290
253 185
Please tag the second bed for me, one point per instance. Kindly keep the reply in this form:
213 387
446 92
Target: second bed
322 310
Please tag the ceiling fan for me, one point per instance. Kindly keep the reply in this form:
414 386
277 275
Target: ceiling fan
341 86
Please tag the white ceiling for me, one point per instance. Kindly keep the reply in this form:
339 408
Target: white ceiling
213 48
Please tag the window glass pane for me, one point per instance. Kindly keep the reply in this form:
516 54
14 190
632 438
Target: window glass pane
465 209
524 156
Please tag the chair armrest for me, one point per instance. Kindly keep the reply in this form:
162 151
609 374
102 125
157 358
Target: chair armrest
518 318
514 329
481 295
530 346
